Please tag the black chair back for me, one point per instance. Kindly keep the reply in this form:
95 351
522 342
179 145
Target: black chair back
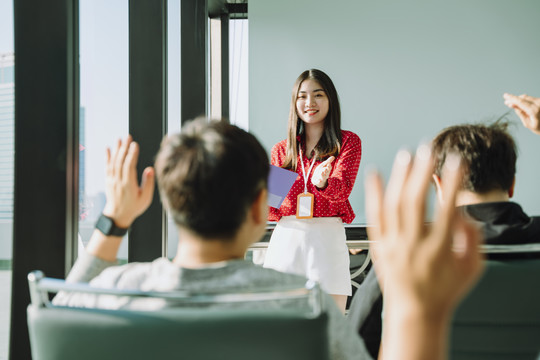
500 317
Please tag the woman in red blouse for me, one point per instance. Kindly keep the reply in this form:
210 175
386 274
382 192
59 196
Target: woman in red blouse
309 238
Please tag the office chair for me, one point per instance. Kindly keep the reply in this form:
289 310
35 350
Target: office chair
500 318
187 330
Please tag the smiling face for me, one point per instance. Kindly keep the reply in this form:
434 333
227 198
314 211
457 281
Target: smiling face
312 102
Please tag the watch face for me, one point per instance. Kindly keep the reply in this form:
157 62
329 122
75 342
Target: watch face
107 227
104 225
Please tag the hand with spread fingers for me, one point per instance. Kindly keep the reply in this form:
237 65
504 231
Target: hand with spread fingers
126 200
527 108
322 172
424 270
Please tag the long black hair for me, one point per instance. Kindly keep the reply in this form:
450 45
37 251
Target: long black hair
330 142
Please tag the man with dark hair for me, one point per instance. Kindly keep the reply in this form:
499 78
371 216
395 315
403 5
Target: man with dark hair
488 155
212 178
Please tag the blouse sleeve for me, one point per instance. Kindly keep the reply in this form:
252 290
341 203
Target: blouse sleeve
344 171
277 160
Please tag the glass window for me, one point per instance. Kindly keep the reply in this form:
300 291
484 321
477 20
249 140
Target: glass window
7 151
239 72
173 97
215 69
238 77
104 76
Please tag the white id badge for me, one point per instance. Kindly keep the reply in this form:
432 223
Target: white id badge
304 206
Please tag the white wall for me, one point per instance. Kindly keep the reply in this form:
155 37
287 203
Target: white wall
403 70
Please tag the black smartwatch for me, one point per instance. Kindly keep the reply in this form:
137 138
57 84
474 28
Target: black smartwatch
107 226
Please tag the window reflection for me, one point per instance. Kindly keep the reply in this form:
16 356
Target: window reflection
104 62
238 72
173 96
7 152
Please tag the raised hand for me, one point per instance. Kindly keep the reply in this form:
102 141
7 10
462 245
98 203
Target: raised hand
527 108
425 270
126 200
322 172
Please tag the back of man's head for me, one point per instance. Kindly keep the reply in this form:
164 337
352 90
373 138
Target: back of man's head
209 175
488 154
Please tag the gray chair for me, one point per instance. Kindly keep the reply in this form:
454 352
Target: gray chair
188 330
500 318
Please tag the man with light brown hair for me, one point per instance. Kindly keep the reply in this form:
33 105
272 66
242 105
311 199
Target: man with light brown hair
212 179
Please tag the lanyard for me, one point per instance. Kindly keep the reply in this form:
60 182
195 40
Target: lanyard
304 170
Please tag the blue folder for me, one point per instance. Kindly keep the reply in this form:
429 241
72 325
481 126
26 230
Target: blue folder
280 182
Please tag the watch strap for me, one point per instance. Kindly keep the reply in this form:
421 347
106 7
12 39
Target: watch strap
107 227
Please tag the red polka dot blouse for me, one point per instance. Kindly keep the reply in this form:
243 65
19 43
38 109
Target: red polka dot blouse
332 200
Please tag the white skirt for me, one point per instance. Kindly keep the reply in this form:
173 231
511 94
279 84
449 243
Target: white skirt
314 248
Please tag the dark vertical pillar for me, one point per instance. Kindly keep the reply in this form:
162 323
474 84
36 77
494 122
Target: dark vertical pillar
194 25
46 149
73 151
148 113
225 66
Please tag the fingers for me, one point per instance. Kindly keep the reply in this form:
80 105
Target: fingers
509 97
521 102
129 170
326 166
467 237
413 206
374 205
515 102
108 167
327 161
322 172
527 108
325 173
123 161
111 158
529 99
147 186
395 189
119 156
468 257
376 230
523 116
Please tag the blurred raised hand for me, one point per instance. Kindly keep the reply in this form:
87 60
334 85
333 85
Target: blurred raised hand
527 108
425 270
